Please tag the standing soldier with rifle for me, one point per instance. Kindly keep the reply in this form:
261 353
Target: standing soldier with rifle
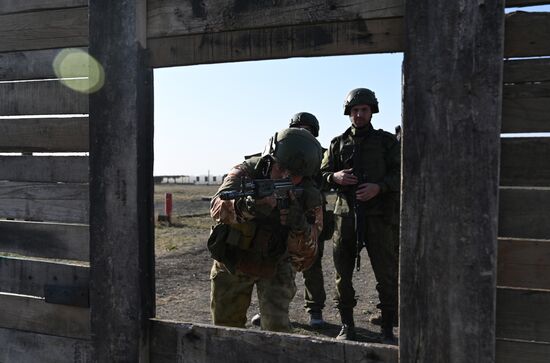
363 164
268 214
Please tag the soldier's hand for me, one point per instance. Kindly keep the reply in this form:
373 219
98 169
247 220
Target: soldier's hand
264 206
294 217
367 191
344 177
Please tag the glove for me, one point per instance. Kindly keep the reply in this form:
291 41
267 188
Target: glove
296 217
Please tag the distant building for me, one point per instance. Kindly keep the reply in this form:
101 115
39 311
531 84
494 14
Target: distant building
189 179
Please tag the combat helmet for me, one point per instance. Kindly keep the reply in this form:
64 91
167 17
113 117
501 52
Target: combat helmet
360 96
297 150
305 119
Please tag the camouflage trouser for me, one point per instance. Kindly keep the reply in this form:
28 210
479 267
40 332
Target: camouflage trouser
382 243
314 294
231 294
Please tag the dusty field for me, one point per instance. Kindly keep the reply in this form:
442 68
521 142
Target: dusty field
183 267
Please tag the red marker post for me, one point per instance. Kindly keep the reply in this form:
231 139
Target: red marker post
168 206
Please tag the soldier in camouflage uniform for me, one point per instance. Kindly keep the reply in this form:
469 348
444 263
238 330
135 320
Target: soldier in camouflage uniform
258 243
378 153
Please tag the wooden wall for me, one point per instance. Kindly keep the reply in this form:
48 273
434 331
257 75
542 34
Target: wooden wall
44 201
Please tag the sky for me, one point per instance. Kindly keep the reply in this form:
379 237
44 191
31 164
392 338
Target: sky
208 117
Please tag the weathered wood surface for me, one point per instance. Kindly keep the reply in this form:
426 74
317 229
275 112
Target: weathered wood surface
58 28
524 263
28 277
523 212
527 34
515 351
50 169
450 189
524 161
523 314
527 70
34 314
47 240
518 3
24 347
182 342
17 6
122 292
174 17
526 108
36 64
351 37
44 134
47 202
41 98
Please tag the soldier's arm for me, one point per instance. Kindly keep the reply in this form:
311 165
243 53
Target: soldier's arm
230 211
328 166
392 179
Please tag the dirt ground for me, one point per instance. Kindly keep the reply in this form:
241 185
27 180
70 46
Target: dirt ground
183 267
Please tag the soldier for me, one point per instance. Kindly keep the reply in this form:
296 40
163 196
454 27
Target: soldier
363 164
257 242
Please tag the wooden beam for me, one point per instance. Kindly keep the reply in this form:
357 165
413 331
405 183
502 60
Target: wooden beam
35 315
524 161
527 70
48 169
527 34
523 314
44 135
16 6
29 277
351 37
450 180
518 3
172 342
523 212
44 201
47 240
41 98
169 18
514 351
58 28
121 184
524 263
36 64
18 346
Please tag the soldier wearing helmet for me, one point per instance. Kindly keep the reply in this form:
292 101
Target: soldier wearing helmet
314 294
363 165
257 243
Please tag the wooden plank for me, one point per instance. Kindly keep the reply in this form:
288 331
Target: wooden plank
526 108
523 213
29 277
524 263
527 34
17 6
58 28
49 169
518 3
514 351
22 347
524 161
35 315
168 18
37 64
47 240
44 134
449 227
523 314
527 70
351 37
122 291
182 342
44 201
42 98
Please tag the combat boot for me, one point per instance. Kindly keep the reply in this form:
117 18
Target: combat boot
347 332
388 318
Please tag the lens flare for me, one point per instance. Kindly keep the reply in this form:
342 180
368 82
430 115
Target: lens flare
78 70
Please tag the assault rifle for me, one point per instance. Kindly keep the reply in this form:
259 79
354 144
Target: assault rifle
261 188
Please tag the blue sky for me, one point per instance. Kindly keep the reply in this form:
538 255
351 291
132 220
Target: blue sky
208 117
